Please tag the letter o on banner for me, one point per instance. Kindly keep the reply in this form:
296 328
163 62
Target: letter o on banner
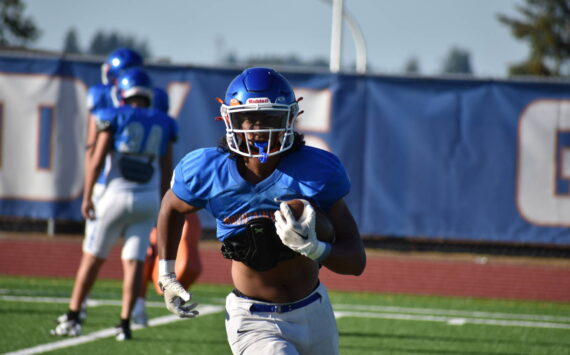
543 164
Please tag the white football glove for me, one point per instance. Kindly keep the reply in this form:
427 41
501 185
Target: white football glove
175 296
299 235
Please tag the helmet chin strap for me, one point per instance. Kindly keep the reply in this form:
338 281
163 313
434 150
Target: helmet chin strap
262 146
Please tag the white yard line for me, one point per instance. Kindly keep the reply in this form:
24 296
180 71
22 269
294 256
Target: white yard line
451 320
350 307
106 333
460 313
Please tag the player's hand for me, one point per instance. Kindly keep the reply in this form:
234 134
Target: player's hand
300 235
175 296
88 209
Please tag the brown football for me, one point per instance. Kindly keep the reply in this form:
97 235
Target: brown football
323 226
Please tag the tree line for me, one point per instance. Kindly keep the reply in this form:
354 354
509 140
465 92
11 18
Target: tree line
543 24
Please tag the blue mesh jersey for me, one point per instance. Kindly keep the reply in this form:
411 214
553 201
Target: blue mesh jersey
137 132
100 96
208 178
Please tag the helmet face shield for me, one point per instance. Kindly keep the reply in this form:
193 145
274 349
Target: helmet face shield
275 119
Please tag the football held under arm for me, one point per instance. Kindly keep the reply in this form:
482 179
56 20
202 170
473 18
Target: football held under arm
299 232
347 254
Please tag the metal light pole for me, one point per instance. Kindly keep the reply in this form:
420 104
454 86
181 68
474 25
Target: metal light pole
336 36
338 14
359 43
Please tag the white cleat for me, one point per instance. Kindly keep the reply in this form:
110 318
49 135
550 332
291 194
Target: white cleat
123 334
70 328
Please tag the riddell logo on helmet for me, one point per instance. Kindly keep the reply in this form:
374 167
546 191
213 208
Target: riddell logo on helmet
259 100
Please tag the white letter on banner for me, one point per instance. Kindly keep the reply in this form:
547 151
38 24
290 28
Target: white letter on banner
317 116
177 93
43 137
543 172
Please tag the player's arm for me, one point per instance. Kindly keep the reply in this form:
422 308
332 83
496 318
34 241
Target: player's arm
91 136
347 255
90 142
93 168
169 229
170 222
166 170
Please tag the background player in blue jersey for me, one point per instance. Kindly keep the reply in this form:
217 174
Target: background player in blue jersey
188 260
101 97
133 150
278 305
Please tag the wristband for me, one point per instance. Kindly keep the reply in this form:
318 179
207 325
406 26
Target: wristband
166 267
322 251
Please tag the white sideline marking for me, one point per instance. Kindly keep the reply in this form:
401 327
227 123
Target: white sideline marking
105 333
455 316
382 309
451 320
452 312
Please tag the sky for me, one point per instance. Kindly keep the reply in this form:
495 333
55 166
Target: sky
201 32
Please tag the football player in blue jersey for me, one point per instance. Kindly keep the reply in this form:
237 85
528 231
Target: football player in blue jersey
103 96
99 97
278 305
188 260
133 154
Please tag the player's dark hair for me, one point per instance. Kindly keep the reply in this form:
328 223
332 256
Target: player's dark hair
298 142
139 98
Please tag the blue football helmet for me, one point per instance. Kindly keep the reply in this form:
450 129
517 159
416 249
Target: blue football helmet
259 111
134 82
119 60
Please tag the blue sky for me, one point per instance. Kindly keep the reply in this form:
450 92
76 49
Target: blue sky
199 32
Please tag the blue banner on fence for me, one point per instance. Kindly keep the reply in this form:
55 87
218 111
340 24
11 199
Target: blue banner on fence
476 160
